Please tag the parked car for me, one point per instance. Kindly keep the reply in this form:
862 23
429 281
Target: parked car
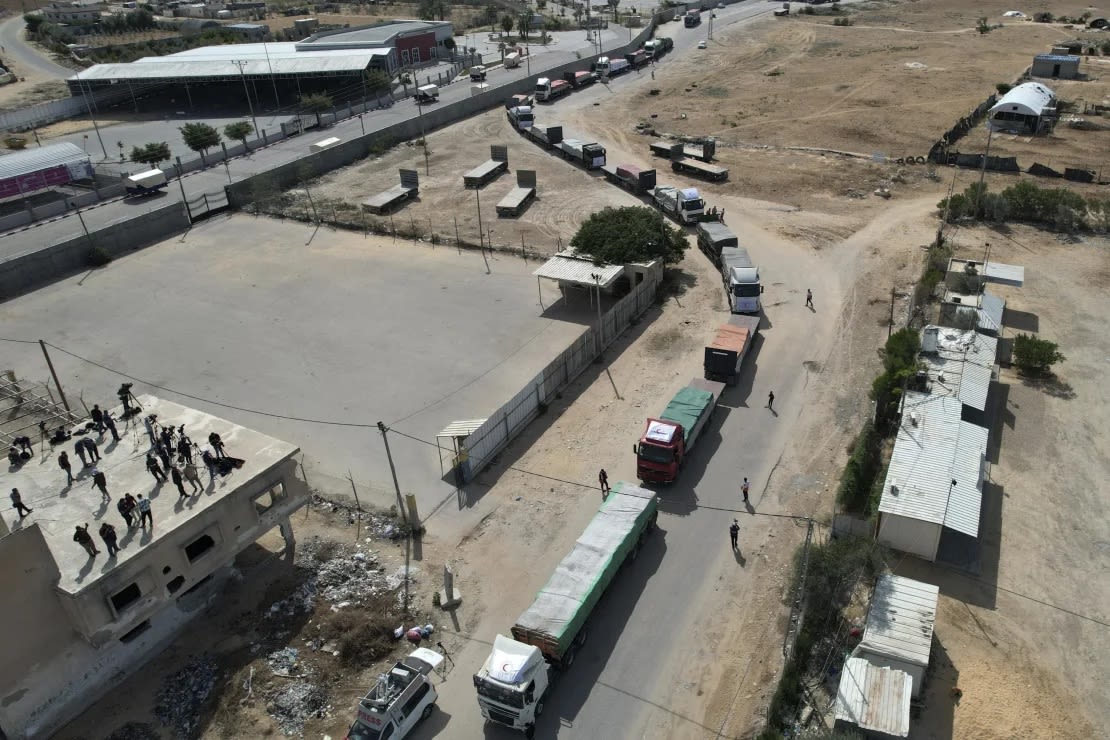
703 45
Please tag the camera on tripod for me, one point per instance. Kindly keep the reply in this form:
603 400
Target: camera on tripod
127 397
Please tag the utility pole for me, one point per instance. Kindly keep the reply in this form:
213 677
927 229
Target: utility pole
478 198
54 375
890 326
983 172
396 486
88 106
240 63
597 282
81 218
423 137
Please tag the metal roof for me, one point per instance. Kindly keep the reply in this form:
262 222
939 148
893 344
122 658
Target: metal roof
963 365
170 67
933 449
571 267
378 33
900 620
1028 98
1056 58
41 158
991 308
462 428
874 698
996 272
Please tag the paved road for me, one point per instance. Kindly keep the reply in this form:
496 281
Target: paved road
215 178
23 56
644 644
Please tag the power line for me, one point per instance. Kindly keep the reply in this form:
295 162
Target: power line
18 341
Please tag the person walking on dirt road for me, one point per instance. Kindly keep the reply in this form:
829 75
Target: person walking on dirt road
744 490
771 400
603 479
734 533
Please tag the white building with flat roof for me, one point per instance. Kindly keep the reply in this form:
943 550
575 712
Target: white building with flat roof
77 624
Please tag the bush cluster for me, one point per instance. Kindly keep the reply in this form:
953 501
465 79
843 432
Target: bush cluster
1028 202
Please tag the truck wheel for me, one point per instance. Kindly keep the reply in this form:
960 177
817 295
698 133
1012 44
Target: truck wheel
539 708
651 522
427 711
530 732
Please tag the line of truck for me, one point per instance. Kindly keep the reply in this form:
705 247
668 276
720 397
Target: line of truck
739 273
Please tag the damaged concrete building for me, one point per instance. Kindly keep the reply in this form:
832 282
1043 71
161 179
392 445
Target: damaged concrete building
78 625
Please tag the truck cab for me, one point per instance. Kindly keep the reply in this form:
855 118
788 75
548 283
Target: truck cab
522 117
399 700
512 684
744 290
660 451
477 73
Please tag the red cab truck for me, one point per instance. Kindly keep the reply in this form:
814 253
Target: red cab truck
668 440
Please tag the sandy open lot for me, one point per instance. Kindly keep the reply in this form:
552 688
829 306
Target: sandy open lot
566 194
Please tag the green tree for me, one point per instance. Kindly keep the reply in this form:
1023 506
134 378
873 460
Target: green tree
507 23
450 46
492 13
1035 356
200 137
618 236
317 103
151 154
34 23
239 131
524 24
899 363
375 79
613 4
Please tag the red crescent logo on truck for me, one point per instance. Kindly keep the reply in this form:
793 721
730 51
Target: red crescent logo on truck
505 668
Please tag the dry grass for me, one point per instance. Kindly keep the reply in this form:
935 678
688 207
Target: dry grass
364 633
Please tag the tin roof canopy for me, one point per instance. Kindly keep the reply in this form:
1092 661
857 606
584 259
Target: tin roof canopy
41 158
569 266
961 366
901 619
937 467
874 698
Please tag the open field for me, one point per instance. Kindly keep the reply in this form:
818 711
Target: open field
567 194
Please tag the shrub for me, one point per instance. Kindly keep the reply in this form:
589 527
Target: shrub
99 256
1034 356
1003 88
845 21
1043 17
859 473
983 27
996 208
957 207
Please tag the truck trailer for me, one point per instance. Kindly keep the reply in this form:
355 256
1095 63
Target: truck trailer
678 150
545 135
692 18
725 354
713 236
548 89
513 683
668 440
741 279
638 58
579 79
630 177
701 169
588 154
682 204
659 46
145 183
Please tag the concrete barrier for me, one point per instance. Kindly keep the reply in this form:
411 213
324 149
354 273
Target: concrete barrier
30 270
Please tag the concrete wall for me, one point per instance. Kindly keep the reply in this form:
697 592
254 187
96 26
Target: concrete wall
27 271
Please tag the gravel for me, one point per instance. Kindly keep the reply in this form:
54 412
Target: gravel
181 696
135 731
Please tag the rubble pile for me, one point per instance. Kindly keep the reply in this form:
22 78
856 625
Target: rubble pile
181 696
283 662
293 704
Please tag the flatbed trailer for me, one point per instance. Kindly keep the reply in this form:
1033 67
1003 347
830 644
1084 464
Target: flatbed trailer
630 177
701 169
547 136
388 200
497 163
519 197
677 150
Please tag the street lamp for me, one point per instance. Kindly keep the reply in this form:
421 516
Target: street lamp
240 63
597 282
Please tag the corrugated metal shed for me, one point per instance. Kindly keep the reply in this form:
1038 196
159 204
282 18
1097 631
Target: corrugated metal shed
570 267
996 272
874 698
991 308
41 158
378 33
900 621
962 366
934 448
1028 98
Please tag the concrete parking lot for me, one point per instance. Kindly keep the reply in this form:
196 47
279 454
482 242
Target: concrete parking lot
250 312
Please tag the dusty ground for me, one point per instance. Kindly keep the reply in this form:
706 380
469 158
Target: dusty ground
566 193
1027 641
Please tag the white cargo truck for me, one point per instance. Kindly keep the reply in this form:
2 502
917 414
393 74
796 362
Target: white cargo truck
145 183
682 204
741 280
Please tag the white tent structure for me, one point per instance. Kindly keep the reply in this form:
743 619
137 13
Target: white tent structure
1028 108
